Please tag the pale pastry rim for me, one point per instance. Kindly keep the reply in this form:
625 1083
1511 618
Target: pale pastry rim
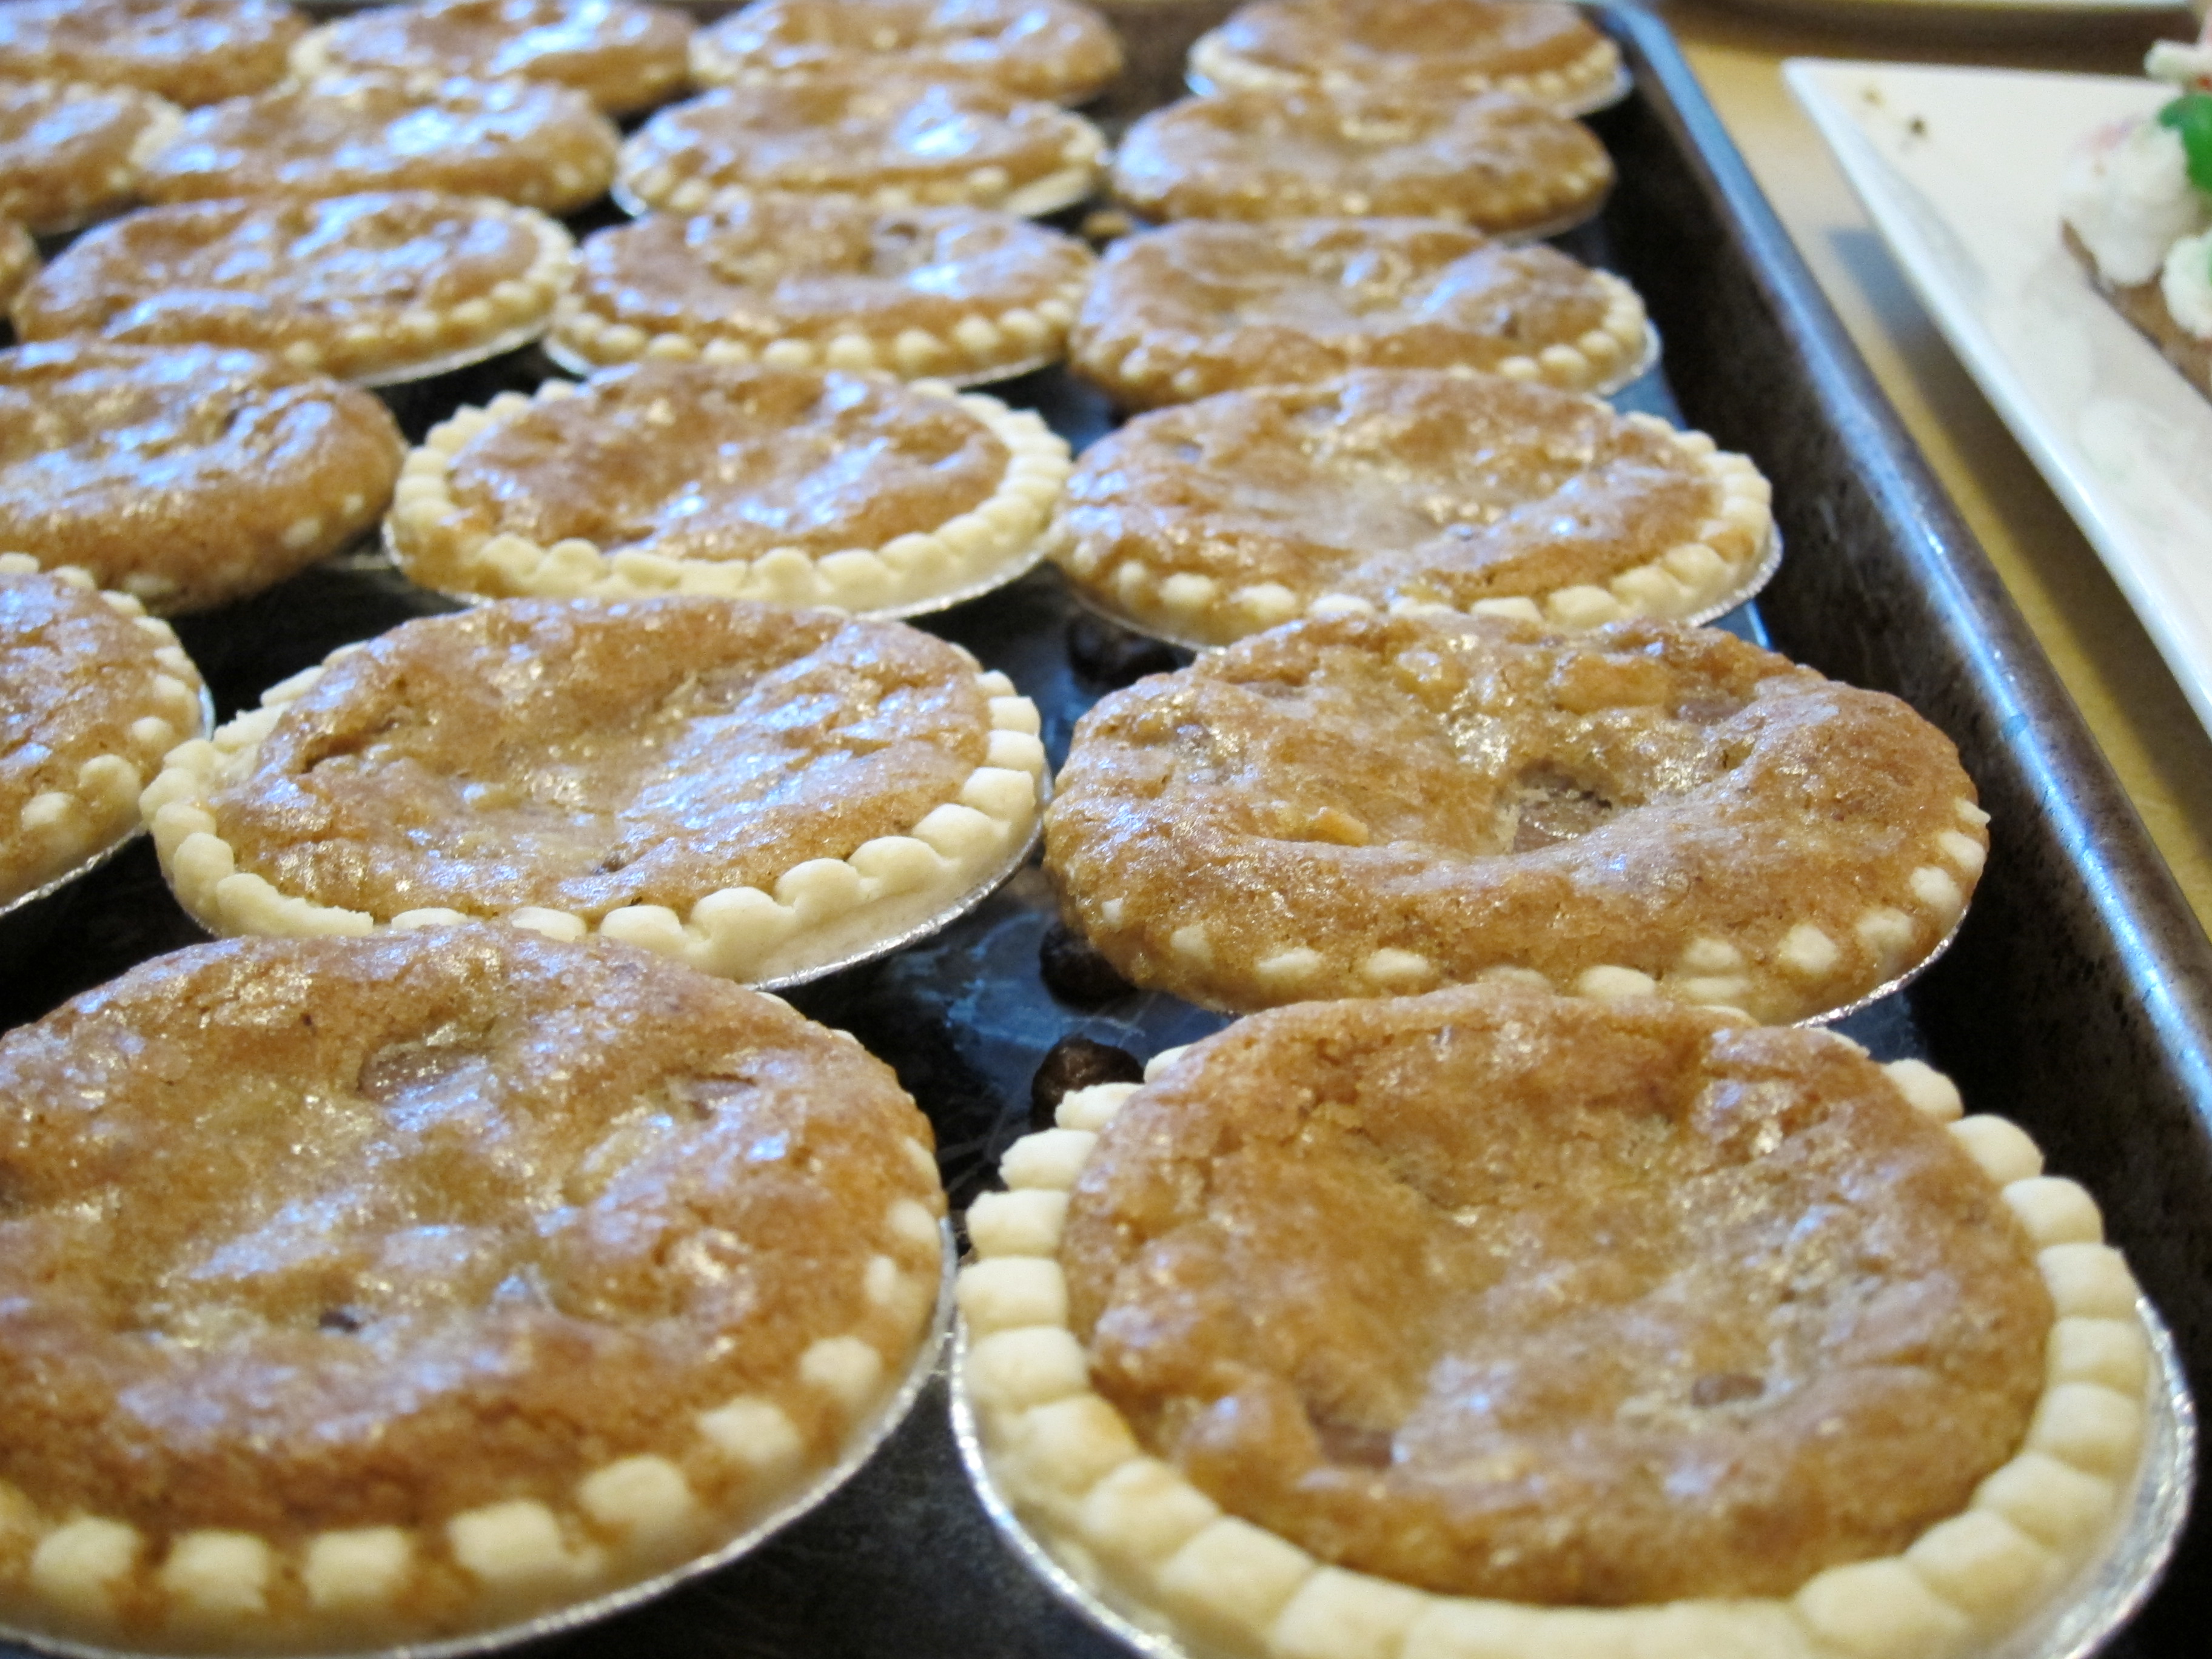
1066 1461
821 909
970 553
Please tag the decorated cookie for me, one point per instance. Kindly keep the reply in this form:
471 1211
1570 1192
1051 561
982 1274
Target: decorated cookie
574 1266
1692 1338
757 791
1206 305
96 692
377 288
623 55
526 141
803 486
185 475
1055 49
1367 806
70 153
1407 490
893 141
963 294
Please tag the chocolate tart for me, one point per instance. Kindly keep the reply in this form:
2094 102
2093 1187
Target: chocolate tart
958 294
802 486
1364 806
375 288
1693 1338
578 1267
759 792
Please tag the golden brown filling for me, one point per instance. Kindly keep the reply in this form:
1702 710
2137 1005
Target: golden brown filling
185 474
1386 41
773 267
1299 300
1496 161
587 754
1486 794
694 461
851 134
18 260
541 145
622 55
1389 485
1508 1296
1038 48
347 1232
271 274
190 52
67 153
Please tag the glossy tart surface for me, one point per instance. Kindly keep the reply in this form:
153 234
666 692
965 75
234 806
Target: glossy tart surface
1053 49
186 475
189 51
1363 806
1548 52
1203 305
569 1260
69 152
371 286
898 141
1395 488
92 695
540 145
956 291
1495 162
622 55
1510 1296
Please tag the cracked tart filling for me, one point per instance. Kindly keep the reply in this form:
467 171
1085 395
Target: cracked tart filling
1496 161
1205 304
1357 805
1052 49
189 51
185 476
570 1262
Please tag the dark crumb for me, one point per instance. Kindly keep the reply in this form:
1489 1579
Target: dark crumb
339 1319
1114 657
1077 1062
1073 969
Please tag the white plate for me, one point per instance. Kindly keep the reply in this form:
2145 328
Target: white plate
1958 170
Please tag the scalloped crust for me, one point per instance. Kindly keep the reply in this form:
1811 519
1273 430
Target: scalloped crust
978 550
1590 82
64 829
1070 1463
1726 564
821 910
97 1578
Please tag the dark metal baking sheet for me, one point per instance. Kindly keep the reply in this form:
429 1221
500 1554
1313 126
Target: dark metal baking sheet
2078 998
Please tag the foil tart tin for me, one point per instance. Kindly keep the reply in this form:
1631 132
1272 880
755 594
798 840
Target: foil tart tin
572 362
862 1447
428 368
2075 1622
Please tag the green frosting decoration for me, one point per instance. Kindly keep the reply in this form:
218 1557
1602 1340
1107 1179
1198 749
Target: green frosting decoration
2191 115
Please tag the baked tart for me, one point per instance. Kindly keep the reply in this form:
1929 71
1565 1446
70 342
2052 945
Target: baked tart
574 1266
802 486
623 55
895 141
19 260
1495 162
1492 1323
1361 806
1549 53
759 792
527 142
71 153
1403 490
1206 305
96 692
379 287
189 51
188 476
960 294
1051 49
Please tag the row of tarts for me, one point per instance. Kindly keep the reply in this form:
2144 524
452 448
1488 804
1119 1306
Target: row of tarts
1701 1336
